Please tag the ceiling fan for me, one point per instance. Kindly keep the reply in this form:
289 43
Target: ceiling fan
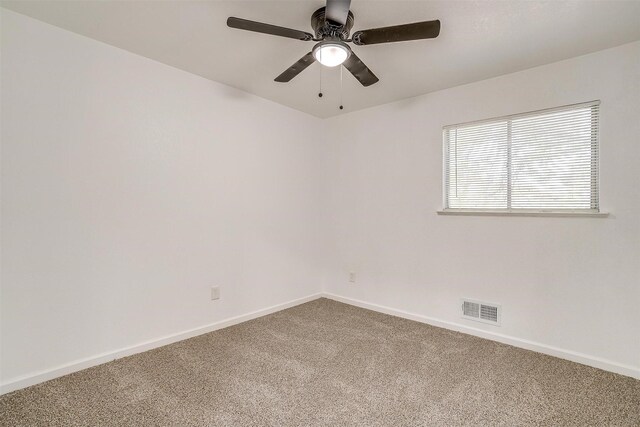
332 25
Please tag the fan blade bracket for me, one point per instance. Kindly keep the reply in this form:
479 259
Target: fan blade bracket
398 33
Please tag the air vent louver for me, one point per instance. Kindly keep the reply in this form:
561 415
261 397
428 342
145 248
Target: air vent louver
471 309
489 313
481 311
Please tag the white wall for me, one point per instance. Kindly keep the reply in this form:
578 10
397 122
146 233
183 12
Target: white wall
571 283
129 188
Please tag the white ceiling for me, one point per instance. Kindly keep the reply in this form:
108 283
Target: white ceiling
478 40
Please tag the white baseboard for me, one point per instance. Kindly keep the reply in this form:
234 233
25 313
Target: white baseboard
78 365
585 359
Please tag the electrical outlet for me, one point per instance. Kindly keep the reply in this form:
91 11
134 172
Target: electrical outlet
352 277
215 293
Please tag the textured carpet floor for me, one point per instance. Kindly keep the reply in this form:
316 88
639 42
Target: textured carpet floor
329 364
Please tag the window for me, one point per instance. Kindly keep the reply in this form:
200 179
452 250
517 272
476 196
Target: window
543 161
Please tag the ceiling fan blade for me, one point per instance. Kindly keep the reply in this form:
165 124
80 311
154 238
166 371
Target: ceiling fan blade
259 27
337 11
359 70
296 68
398 33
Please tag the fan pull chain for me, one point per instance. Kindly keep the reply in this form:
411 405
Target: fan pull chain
320 90
341 107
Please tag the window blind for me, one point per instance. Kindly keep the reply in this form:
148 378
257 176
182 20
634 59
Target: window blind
542 161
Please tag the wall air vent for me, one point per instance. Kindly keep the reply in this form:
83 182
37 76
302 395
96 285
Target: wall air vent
481 311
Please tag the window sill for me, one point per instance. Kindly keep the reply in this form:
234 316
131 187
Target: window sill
472 212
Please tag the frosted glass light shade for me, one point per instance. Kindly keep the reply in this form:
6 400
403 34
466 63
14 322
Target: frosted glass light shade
331 54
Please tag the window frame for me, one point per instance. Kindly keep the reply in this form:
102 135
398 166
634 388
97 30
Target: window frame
594 211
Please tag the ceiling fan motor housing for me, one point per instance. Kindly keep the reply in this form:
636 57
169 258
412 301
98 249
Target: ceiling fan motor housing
327 28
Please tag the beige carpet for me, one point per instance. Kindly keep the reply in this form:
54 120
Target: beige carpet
329 364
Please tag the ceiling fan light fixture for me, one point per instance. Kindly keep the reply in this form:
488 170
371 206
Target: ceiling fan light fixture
331 53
